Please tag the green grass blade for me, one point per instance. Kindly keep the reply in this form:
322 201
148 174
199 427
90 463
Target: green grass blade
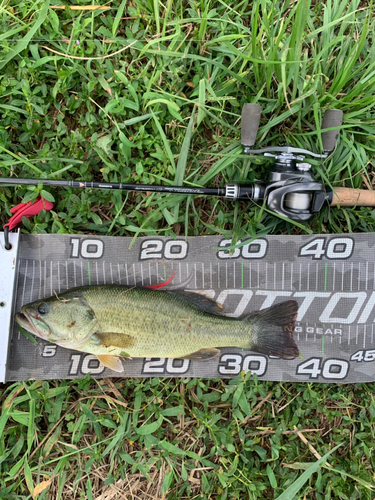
292 491
22 44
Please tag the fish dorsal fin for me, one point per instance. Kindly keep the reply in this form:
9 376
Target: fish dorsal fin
112 362
121 340
203 354
201 302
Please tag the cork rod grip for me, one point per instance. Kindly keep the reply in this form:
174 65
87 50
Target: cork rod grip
348 197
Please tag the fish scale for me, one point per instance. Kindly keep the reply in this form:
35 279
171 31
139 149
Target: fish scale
163 324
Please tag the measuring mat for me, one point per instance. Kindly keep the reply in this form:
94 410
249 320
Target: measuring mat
330 276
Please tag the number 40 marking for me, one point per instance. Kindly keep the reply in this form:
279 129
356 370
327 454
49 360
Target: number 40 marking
336 369
336 248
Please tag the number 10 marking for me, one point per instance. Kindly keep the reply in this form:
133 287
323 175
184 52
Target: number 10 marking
89 248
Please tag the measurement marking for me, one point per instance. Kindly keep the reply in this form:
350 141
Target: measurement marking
40 278
66 274
157 272
74 273
226 275
195 276
135 282
291 276
359 276
351 276
364 336
218 275
58 274
349 337
127 274
104 276
149 272
274 276
258 276
203 275
142 273
119 275
89 272
300 276
342 278
308 276
81 272
211 275
323 338
241 274
45 278
111 271
316 277
97 274
356 335
250 273
51 277
234 274
325 277
282 277
333 281
366 282
266 274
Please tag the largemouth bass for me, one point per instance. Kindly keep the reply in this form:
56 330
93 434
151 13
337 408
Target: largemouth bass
122 321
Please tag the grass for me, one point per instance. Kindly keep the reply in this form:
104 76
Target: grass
151 92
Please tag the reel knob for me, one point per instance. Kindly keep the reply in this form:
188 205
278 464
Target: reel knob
250 119
331 118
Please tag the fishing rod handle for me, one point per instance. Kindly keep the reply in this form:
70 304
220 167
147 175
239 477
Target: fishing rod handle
348 197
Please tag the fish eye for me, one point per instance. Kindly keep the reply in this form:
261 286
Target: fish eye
43 309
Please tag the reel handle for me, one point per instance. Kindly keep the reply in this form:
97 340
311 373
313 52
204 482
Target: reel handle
250 119
331 118
348 197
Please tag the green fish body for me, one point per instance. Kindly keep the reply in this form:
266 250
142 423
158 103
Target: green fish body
111 321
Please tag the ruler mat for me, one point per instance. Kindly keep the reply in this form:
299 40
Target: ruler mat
330 276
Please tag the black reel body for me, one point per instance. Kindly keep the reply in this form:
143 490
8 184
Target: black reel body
291 191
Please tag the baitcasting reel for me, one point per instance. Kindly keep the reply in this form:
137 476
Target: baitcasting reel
290 190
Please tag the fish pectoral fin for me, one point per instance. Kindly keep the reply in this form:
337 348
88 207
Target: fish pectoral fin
203 354
121 340
112 362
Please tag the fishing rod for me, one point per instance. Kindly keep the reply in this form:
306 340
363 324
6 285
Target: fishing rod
290 190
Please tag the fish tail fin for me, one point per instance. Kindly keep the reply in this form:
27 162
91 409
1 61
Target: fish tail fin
272 332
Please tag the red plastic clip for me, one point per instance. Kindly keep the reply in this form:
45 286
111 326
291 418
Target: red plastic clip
160 285
27 210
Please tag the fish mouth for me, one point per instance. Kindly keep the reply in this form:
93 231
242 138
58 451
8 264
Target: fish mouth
29 320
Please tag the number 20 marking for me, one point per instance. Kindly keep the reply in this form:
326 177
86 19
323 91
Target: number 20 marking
158 249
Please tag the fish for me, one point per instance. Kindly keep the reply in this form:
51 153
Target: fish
117 321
